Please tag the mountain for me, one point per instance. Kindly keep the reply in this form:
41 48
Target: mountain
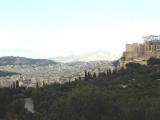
11 60
93 56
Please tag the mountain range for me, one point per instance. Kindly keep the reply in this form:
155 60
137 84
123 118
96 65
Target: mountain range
88 57
93 56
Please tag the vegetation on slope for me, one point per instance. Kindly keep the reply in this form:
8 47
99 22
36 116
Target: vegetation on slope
10 60
129 94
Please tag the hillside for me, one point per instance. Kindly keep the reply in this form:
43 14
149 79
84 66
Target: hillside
10 60
128 94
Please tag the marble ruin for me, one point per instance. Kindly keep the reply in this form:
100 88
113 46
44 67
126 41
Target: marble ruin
141 52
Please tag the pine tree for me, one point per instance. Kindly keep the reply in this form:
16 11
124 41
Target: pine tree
37 86
89 75
43 84
94 75
85 75
79 77
17 84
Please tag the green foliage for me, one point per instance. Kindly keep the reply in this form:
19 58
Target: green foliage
17 84
133 66
11 103
153 61
127 94
102 97
90 103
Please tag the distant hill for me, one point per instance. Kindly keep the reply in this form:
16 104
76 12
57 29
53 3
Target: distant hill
11 60
93 56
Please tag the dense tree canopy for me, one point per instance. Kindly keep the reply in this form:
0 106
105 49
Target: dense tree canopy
127 94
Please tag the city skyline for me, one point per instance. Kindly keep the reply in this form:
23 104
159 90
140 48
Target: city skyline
49 28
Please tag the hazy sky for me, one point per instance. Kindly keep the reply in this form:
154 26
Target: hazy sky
48 28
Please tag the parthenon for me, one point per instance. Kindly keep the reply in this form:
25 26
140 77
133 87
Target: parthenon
141 52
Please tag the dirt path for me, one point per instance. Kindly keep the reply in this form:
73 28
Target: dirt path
29 105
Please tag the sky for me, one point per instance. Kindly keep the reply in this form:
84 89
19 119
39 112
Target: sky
50 28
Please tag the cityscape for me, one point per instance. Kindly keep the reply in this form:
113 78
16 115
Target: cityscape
33 75
79 60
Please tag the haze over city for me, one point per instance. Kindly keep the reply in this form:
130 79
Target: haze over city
50 28
79 60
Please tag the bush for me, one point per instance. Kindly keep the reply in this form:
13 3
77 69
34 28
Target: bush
153 61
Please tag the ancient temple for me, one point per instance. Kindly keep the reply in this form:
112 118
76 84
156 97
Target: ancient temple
141 52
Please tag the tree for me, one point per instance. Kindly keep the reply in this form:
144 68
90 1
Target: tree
13 85
79 77
37 85
114 71
133 65
102 74
94 75
109 72
85 75
153 61
17 84
89 75
44 84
